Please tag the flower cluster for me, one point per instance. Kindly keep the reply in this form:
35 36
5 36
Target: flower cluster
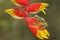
36 24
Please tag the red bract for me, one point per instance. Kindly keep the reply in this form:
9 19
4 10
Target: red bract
20 13
36 7
33 7
21 2
36 28
17 13
32 23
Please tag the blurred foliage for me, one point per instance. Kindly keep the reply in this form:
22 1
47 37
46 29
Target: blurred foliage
13 29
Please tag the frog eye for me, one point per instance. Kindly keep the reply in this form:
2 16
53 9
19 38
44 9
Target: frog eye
38 18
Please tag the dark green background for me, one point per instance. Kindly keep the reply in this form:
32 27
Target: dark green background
13 29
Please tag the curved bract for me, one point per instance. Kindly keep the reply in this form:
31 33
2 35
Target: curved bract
37 7
38 30
17 14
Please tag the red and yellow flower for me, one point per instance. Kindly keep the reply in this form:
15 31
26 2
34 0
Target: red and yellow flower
36 25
